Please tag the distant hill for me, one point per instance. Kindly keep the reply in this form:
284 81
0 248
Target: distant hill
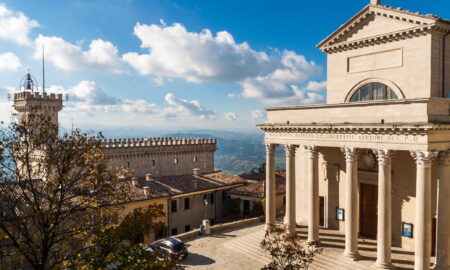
236 152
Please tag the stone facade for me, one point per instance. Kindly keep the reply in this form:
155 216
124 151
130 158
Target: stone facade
161 156
378 162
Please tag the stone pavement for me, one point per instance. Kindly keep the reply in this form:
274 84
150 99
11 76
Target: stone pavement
212 252
239 249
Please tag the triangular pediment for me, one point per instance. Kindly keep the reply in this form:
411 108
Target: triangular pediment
376 21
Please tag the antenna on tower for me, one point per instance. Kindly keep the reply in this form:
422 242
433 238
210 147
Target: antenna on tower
43 71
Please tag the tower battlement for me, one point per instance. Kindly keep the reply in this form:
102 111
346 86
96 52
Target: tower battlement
37 96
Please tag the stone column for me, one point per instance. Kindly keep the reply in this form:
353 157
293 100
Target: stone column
384 230
443 214
290 188
270 184
351 203
422 234
313 193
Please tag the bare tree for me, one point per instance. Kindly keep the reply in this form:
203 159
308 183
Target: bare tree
52 187
287 252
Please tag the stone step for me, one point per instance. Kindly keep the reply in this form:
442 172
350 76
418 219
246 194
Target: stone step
240 245
338 262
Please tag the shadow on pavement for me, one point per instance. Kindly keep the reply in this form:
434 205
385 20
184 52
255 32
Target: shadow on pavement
197 259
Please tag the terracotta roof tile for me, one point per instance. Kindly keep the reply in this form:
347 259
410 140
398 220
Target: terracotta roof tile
256 185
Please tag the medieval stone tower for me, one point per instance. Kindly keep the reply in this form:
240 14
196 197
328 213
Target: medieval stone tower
29 101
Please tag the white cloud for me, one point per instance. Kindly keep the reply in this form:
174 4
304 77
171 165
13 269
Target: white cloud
231 116
257 115
196 57
174 52
179 106
15 26
316 86
281 86
101 55
9 61
88 98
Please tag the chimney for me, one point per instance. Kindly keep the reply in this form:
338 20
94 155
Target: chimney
146 191
375 2
134 181
194 183
148 177
196 171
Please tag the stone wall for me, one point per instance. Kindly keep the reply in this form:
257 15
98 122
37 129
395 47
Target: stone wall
161 156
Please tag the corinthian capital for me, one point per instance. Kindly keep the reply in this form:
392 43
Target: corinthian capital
311 150
350 153
384 156
424 158
290 149
270 148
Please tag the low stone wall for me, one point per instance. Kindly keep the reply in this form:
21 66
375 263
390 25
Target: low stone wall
220 227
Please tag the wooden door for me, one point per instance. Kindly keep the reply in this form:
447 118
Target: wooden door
368 211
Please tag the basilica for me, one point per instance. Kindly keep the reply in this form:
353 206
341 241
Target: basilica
373 162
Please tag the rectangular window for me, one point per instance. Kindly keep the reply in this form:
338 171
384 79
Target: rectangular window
173 206
195 159
174 231
175 160
128 164
153 162
224 196
187 228
187 204
211 198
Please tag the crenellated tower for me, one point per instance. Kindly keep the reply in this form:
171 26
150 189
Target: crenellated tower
29 101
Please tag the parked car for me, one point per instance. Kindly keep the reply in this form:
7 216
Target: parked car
170 247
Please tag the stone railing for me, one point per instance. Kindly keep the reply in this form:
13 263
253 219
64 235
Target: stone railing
221 227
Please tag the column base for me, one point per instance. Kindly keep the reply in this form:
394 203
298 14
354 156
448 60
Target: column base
354 256
383 265
291 230
438 267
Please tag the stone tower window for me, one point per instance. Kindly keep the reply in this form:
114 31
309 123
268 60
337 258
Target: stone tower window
373 91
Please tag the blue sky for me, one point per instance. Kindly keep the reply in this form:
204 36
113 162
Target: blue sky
169 65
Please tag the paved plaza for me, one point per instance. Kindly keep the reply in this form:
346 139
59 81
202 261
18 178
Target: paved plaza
239 249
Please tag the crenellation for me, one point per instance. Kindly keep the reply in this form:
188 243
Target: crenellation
170 155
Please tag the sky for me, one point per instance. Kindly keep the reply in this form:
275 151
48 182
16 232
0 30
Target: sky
171 65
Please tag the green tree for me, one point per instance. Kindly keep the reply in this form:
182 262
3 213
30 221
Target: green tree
52 189
120 244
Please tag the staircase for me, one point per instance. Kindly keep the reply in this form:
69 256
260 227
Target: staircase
331 258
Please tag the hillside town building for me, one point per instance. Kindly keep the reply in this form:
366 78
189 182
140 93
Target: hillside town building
176 174
378 151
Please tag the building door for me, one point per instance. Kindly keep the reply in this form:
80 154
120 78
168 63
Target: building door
246 207
368 211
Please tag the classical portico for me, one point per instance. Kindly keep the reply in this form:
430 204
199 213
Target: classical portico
378 151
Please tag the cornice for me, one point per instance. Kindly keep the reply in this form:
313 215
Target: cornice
379 39
355 129
421 25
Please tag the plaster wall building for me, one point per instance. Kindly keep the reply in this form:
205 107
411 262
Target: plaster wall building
377 153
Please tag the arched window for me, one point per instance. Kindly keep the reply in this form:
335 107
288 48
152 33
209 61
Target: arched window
373 91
